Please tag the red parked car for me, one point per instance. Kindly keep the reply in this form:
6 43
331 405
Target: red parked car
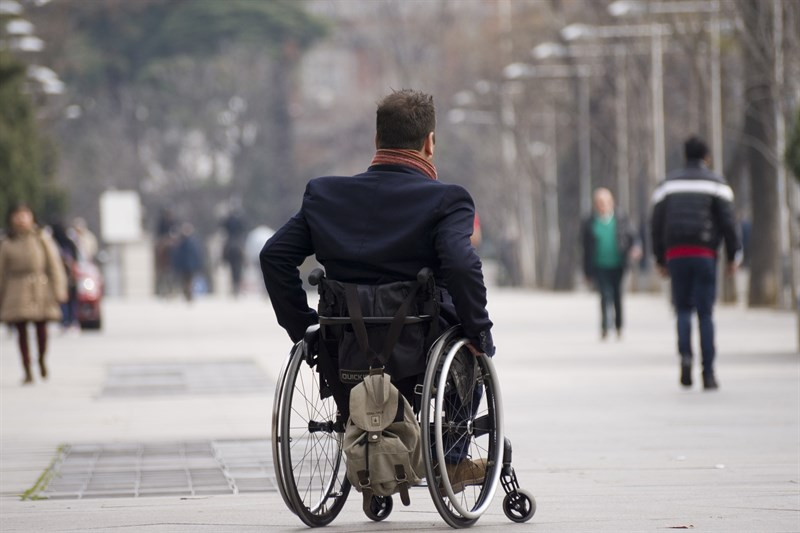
89 282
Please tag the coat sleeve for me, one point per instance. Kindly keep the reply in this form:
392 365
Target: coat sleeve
461 267
630 234
725 219
280 258
55 269
657 230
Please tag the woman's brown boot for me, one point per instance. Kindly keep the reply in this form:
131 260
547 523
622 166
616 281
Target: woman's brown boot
28 375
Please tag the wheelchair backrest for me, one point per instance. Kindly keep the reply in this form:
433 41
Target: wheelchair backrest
390 325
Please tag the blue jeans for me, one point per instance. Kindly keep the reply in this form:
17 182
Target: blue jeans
609 285
694 288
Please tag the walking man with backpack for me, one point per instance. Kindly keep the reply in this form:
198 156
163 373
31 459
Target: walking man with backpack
692 214
384 226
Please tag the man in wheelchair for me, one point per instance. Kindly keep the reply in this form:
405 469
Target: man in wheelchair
382 227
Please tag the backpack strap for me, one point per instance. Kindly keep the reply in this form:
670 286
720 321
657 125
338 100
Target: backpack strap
329 372
366 491
398 417
431 308
402 484
397 324
360 328
357 317
363 479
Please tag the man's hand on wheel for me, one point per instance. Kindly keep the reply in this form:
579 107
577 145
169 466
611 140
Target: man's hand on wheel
473 350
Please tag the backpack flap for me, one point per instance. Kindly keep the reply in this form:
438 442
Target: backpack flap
373 403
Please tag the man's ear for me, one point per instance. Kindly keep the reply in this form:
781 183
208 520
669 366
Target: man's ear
429 145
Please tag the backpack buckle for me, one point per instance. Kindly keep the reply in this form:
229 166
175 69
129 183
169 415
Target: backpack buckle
400 474
363 479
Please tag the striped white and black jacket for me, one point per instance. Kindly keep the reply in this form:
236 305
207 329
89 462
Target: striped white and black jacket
692 214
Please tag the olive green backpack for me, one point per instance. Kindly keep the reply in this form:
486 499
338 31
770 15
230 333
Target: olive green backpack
382 440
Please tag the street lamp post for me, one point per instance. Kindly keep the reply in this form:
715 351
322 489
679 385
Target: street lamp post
620 53
621 108
622 8
654 32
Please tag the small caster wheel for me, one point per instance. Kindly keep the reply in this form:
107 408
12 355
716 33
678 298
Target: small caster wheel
380 507
519 506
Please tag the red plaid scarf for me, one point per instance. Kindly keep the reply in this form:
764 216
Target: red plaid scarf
406 158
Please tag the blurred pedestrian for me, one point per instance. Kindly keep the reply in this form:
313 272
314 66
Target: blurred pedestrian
32 283
84 239
68 250
692 214
609 243
166 236
187 259
233 249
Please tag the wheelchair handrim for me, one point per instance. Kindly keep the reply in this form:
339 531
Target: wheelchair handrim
498 448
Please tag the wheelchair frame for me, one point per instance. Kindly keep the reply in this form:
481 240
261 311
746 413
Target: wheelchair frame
318 503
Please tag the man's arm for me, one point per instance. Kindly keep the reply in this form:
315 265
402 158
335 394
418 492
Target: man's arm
461 267
657 231
725 219
633 251
279 259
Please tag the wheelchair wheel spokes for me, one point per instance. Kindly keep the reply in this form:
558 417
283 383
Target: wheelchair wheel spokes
461 422
311 456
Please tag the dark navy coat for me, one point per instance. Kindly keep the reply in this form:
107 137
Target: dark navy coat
381 226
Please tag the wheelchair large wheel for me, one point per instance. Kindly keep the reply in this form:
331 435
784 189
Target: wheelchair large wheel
307 451
461 417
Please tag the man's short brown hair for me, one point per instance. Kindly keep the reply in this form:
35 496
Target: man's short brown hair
404 119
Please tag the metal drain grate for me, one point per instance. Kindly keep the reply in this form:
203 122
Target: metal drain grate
164 469
157 379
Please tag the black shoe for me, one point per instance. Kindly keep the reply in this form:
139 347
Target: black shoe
686 374
710 382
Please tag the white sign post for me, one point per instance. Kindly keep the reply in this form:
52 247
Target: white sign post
120 225
120 217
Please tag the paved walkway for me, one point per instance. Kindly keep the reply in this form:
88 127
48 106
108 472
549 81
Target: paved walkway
603 435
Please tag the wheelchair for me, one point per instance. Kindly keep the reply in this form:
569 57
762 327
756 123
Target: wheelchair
308 427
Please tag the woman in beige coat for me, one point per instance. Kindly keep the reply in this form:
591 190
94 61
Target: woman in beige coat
32 283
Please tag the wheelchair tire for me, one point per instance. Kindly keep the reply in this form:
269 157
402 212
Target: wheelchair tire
380 507
277 460
478 429
519 506
308 456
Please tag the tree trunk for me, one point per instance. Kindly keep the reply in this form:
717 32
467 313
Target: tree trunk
759 134
569 220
